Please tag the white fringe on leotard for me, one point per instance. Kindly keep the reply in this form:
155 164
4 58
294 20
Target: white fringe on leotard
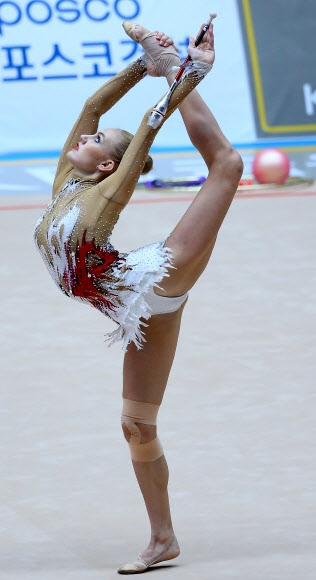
145 268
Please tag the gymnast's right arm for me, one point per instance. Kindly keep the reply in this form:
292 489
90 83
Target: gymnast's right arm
95 106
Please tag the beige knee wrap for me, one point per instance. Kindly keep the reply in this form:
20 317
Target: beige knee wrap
146 413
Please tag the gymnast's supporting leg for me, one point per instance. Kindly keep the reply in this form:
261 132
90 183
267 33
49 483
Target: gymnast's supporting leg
145 378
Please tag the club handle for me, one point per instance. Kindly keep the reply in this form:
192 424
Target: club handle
198 41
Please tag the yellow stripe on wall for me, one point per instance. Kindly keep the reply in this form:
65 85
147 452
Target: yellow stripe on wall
258 81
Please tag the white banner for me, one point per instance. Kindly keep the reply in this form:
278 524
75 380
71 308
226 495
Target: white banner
55 53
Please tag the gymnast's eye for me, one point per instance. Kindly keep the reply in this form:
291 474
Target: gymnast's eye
97 138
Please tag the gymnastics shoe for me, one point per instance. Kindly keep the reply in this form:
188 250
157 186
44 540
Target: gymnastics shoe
161 61
141 565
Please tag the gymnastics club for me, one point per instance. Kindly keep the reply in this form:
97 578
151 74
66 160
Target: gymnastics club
156 117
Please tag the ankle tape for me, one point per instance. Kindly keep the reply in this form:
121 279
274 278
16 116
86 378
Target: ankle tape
144 413
162 59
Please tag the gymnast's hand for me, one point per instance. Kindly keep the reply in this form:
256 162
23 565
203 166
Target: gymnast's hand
205 52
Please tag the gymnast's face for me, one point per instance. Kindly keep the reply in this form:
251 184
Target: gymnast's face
91 156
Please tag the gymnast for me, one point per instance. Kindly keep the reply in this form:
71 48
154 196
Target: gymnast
144 291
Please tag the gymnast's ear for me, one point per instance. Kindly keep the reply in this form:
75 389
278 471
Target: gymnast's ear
107 166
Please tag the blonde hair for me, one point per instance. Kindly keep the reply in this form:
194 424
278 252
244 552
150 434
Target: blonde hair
120 147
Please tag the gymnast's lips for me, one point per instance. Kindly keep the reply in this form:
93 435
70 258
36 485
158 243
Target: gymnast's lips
76 147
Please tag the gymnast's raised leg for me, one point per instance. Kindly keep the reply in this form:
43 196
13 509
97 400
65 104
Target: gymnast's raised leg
146 371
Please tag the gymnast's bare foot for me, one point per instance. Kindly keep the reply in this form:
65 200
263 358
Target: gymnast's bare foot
161 54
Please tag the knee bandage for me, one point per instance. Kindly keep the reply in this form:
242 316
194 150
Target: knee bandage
163 304
145 413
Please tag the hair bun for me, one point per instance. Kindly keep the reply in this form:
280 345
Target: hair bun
148 165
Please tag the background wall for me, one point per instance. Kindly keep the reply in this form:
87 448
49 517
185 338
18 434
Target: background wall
49 69
55 53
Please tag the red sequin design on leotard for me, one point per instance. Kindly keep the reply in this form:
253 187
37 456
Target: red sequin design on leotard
88 281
